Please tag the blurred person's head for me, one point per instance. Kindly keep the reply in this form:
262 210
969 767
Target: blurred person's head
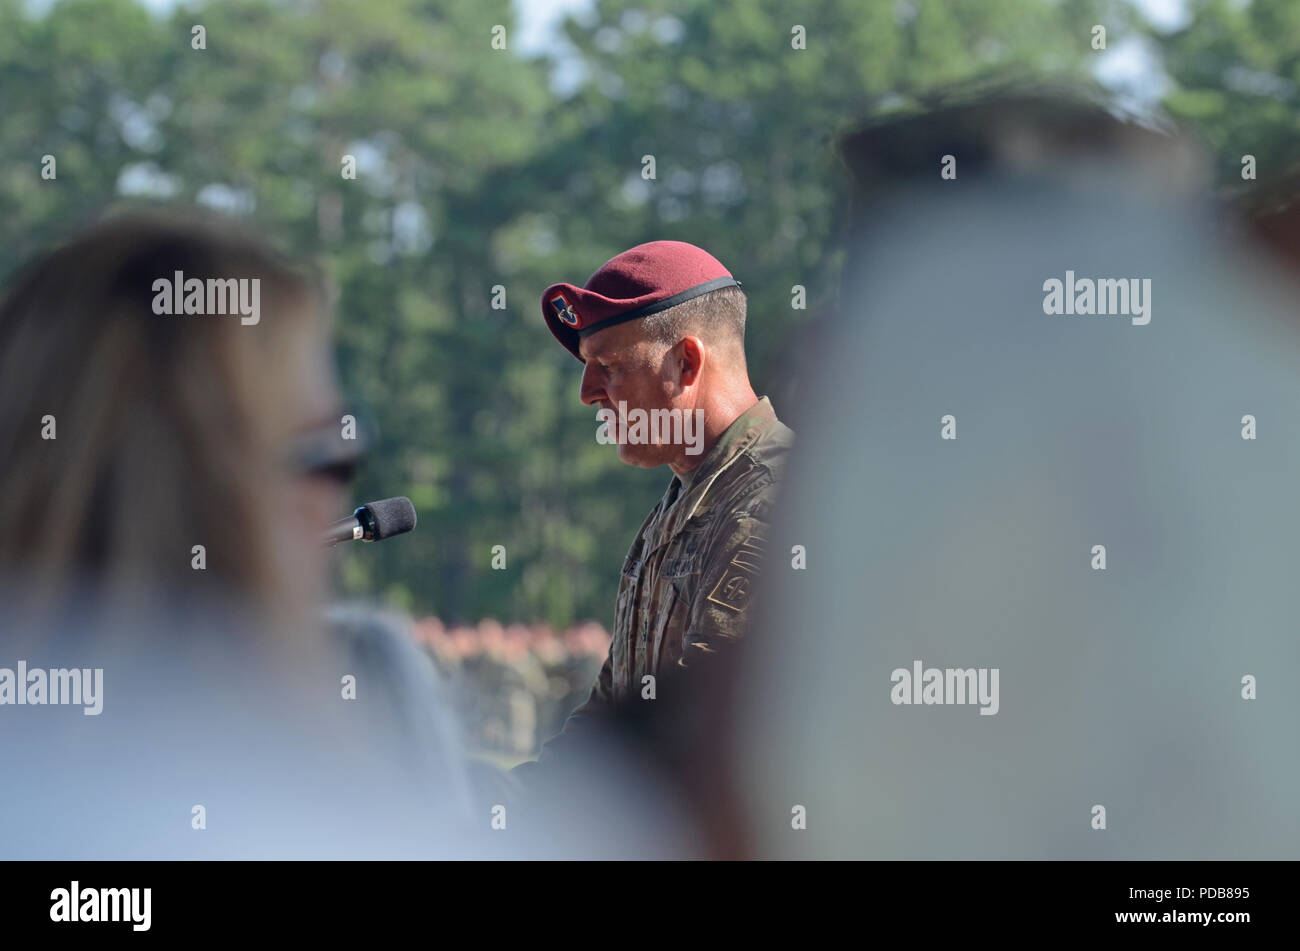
661 331
131 436
1078 503
148 407
1043 133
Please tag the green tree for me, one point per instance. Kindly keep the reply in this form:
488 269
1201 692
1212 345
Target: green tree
474 173
1236 73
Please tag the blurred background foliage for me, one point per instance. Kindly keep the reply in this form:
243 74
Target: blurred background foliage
479 167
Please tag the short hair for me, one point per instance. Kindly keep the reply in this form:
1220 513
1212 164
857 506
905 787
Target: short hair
717 317
1013 128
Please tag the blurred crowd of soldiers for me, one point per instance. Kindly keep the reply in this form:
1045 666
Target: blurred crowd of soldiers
513 685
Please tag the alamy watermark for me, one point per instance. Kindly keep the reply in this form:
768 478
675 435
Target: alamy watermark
102 904
75 686
178 295
1104 297
951 685
656 427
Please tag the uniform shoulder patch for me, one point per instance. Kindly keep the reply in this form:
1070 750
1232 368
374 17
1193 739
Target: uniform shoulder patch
749 555
736 583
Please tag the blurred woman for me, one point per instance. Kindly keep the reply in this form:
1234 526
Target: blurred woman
130 436
166 687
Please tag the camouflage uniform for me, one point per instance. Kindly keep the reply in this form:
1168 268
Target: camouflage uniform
691 572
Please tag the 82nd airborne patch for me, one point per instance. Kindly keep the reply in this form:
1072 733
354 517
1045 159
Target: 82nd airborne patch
737 582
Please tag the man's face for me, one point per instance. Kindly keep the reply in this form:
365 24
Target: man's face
623 367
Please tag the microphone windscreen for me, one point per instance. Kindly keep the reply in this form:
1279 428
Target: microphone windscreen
392 516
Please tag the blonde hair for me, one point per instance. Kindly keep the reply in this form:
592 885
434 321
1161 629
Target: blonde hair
164 426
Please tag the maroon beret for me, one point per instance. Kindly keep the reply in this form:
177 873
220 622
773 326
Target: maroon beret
637 283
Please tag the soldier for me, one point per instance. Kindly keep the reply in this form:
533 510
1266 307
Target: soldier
660 331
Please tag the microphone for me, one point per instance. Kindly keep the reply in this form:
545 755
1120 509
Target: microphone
373 521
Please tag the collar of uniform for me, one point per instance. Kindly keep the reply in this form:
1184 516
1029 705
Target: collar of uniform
738 437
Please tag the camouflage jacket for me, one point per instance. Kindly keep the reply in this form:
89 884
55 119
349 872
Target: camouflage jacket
690 574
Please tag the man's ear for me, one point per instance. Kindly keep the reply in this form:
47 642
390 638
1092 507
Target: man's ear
690 360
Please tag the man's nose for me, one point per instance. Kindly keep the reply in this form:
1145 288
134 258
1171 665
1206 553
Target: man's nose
592 391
